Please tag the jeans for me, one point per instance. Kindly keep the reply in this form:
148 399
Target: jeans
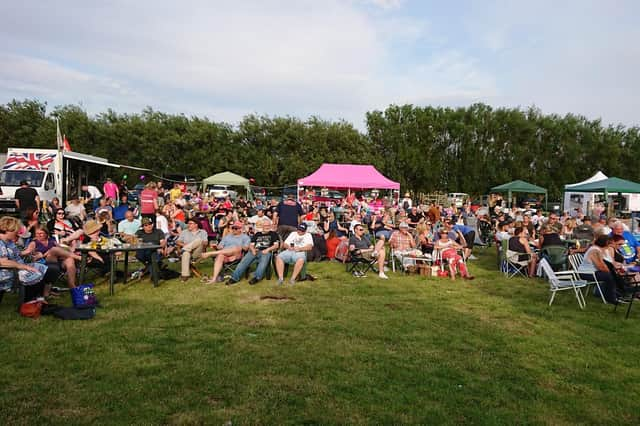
263 260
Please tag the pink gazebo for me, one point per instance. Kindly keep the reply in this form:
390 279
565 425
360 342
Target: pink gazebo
348 176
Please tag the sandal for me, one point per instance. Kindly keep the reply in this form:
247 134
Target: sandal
204 279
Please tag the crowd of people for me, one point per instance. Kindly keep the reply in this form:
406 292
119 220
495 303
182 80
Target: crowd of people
190 226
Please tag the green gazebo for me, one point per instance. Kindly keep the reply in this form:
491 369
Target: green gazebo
521 187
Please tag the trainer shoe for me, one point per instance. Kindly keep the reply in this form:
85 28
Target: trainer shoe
383 276
253 281
231 281
472 257
292 281
280 281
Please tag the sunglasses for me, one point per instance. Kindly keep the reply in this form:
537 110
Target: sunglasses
60 214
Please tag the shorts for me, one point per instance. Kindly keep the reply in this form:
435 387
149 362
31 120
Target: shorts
291 257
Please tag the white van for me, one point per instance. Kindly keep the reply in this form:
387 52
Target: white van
457 198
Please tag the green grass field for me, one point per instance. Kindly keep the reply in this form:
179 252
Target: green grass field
340 350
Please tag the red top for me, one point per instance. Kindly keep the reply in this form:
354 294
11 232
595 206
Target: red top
332 244
147 197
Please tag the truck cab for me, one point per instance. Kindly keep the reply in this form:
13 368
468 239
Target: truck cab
37 167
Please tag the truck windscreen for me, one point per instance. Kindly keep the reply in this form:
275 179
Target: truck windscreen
14 177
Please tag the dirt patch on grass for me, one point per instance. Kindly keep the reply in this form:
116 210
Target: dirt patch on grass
276 298
392 306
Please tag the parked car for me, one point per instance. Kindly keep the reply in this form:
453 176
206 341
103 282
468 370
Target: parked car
134 194
221 191
331 195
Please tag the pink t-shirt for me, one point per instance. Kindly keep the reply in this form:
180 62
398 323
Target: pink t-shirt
110 189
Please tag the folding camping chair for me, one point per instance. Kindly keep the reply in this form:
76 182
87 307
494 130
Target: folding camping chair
575 260
563 280
359 265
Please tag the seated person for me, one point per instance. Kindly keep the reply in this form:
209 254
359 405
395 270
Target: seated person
150 234
104 207
549 236
383 226
629 249
424 237
466 238
263 243
228 250
594 264
332 244
449 251
360 242
33 276
519 243
119 213
75 209
191 242
102 260
402 242
129 226
45 248
296 245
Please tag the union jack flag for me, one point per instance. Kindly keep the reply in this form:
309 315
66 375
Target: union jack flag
28 161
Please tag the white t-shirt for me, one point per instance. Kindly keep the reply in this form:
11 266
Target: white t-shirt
94 192
162 224
298 240
255 218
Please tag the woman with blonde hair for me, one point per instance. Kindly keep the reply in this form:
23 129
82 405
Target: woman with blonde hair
32 275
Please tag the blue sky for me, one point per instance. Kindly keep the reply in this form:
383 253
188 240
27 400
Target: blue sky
333 59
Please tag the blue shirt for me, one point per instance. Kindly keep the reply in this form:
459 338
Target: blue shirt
231 241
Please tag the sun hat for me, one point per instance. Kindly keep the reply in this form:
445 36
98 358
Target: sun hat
91 226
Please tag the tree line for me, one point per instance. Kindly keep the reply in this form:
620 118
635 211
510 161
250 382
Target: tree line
466 149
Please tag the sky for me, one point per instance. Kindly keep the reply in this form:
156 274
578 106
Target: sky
330 59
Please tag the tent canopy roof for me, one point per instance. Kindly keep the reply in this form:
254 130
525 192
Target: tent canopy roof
350 176
595 178
226 178
519 186
612 184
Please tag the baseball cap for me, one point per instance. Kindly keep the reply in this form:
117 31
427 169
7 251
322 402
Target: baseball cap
404 225
259 207
302 227
146 221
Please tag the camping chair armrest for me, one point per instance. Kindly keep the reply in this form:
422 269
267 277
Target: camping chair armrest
567 275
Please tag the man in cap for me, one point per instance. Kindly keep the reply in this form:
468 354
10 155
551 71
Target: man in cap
296 246
229 249
149 234
193 242
263 243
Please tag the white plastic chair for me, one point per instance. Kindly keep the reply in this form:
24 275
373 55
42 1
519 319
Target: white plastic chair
575 260
563 280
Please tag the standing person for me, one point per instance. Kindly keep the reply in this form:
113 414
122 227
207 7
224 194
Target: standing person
27 201
94 195
288 215
149 201
111 190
